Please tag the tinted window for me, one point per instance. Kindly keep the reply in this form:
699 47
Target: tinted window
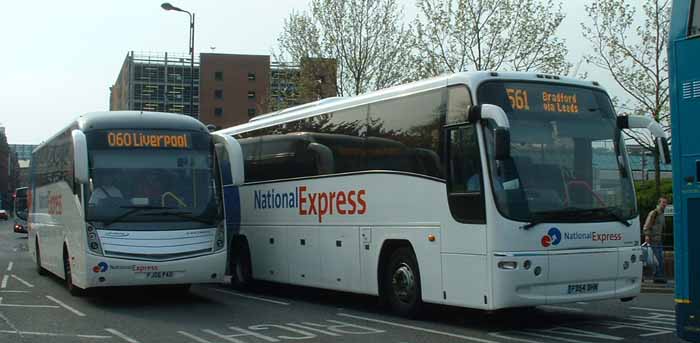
465 182
404 134
54 161
400 135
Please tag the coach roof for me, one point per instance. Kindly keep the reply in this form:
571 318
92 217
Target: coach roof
138 120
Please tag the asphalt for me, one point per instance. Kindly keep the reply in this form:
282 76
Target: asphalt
36 308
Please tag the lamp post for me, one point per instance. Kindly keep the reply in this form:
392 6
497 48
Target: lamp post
168 7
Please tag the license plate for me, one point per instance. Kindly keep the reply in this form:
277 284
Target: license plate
159 275
582 288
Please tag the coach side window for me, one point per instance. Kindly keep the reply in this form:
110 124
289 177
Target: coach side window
465 183
465 173
404 134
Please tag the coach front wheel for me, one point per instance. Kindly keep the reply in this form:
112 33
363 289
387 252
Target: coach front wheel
39 268
401 283
72 289
241 269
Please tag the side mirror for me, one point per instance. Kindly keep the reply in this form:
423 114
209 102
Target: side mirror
664 151
502 131
235 156
642 122
502 144
80 157
324 158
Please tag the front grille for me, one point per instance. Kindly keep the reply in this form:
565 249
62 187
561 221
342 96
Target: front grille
156 257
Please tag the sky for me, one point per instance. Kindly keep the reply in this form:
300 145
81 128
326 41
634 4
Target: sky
59 58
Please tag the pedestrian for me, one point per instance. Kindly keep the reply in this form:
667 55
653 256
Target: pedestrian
649 262
654 228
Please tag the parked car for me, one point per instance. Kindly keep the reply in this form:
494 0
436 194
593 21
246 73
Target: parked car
4 215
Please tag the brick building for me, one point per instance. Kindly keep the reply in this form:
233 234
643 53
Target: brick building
229 88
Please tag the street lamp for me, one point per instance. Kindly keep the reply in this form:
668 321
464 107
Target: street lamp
168 7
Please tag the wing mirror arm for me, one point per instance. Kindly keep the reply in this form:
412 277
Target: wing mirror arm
235 156
643 122
502 131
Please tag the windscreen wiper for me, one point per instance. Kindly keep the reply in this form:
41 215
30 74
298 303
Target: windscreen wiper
547 216
184 215
609 211
133 209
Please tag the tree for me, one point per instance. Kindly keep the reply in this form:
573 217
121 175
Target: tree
634 53
517 35
367 38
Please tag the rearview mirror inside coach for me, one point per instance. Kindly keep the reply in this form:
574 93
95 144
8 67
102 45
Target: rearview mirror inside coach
80 156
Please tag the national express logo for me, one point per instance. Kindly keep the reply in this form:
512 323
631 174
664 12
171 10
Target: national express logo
100 267
319 204
553 237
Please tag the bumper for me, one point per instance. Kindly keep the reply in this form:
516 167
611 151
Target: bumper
107 272
567 276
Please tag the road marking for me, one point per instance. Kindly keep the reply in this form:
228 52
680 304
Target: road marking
417 328
193 337
4 281
9 323
53 334
9 266
121 335
22 281
250 297
80 314
8 291
561 308
29 306
652 309
582 303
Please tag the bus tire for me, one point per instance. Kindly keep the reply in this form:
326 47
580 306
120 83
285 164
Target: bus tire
39 269
401 283
241 267
72 288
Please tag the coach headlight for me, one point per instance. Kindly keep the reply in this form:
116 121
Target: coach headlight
93 239
220 237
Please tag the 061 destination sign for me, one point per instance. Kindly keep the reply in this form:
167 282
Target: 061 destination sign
552 101
131 139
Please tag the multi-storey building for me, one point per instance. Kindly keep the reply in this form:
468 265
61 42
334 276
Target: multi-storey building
229 88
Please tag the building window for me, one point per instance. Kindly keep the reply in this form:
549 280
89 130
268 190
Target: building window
219 76
218 111
251 94
218 94
251 112
251 76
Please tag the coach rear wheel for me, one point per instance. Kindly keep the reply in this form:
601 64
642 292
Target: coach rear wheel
72 289
401 283
39 269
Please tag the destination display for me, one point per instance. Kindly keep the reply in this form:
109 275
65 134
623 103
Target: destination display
133 139
555 101
532 97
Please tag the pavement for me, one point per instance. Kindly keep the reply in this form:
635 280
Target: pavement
651 287
37 309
